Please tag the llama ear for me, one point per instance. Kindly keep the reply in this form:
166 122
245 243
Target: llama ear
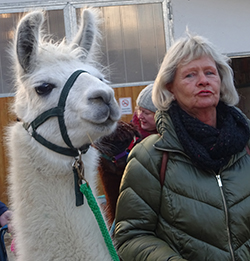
27 39
88 31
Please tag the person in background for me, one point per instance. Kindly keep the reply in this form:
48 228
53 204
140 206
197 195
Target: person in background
5 215
201 211
144 113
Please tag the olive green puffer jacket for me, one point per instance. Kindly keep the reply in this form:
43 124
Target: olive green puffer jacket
196 216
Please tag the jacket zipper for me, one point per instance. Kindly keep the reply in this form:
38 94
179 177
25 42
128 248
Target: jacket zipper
226 213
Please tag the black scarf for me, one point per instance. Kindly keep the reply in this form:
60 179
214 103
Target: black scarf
210 147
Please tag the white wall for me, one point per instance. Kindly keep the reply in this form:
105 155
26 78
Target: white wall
226 23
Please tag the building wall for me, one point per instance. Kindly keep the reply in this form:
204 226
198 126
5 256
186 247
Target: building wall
225 23
5 119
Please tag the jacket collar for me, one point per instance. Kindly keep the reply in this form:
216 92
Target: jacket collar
168 137
168 140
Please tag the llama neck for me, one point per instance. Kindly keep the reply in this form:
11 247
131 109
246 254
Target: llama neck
43 200
35 163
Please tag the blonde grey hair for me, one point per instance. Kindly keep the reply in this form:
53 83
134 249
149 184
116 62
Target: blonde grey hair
184 51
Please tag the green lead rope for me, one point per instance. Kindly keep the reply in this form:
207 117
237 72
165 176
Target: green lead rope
86 190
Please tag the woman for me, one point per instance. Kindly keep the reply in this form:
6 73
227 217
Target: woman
144 114
202 211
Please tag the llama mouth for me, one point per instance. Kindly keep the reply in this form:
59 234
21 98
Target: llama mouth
103 115
102 125
108 123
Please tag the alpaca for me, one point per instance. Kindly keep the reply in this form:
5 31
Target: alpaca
51 223
114 149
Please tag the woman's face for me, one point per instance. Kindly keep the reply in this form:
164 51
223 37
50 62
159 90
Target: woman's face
146 118
196 86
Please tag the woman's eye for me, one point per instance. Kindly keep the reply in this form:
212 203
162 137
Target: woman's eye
209 73
44 88
189 75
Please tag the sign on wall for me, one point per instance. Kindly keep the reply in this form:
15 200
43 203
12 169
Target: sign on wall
125 105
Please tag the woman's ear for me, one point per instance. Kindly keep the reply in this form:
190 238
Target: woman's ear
169 87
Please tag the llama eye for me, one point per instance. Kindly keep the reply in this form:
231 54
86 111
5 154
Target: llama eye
44 88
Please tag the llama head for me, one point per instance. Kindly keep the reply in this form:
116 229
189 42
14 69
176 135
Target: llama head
41 69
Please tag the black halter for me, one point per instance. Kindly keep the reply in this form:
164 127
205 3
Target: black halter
58 112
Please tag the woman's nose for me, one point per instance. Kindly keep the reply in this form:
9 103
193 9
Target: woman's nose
202 80
140 115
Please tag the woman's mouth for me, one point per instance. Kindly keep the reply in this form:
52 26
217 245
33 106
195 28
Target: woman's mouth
204 92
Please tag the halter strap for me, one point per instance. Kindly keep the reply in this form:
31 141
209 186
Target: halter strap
58 112
62 102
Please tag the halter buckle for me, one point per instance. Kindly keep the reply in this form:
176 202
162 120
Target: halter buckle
79 167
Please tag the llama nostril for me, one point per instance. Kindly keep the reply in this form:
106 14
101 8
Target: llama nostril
100 96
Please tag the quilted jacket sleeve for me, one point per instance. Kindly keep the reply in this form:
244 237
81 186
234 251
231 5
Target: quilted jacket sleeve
138 208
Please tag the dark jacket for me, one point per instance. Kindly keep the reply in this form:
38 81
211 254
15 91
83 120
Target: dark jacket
3 208
196 216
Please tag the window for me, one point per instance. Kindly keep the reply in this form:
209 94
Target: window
132 48
133 42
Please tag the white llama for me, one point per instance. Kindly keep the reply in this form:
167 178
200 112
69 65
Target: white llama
48 226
